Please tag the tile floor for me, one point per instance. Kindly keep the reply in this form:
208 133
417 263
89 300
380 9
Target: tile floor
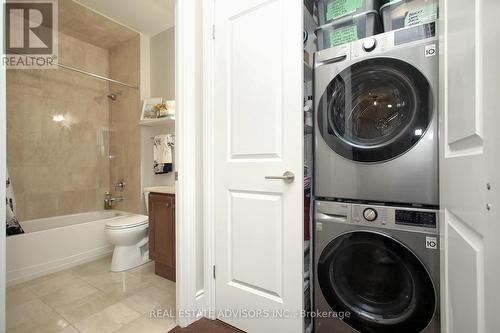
91 299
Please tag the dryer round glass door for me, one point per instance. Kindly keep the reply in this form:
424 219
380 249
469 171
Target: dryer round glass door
376 279
375 110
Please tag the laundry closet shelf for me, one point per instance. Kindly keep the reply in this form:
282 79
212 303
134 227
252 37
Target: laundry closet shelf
308 72
307 246
156 122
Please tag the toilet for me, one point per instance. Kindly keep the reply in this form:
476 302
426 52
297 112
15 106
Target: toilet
129 235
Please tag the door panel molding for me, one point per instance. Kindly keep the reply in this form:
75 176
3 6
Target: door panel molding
465 258
469 159
463 112
268 280
248 116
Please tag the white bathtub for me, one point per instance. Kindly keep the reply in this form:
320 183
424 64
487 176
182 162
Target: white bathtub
55 243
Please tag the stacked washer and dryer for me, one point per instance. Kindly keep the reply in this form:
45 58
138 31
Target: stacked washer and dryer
376 252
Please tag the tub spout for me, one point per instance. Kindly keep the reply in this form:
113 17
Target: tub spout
108 200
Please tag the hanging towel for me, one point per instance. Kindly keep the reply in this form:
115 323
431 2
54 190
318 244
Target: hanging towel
163 145
12 224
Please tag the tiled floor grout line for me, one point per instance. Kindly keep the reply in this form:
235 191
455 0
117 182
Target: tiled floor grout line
54 310
73 274
121 327
97 282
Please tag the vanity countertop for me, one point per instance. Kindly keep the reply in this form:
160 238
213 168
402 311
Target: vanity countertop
160 189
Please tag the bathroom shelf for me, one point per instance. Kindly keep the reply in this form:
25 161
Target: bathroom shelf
156 122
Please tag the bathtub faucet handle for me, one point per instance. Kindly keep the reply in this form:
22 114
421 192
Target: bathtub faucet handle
120 186
108 200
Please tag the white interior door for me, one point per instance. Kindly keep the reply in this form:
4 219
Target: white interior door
470 159
258 125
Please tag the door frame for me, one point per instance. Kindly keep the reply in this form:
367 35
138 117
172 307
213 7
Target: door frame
208 156
187 297
189 301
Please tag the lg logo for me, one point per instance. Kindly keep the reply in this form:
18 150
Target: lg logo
431 243
430 50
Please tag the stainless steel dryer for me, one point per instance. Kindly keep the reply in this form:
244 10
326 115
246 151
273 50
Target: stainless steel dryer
376 135
376 269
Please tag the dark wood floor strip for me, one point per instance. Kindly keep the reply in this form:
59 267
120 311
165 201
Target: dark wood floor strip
205 325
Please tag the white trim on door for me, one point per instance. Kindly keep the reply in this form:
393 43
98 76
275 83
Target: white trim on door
208 156
186 160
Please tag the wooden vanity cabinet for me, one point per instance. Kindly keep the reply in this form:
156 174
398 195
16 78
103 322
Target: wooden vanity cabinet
162 233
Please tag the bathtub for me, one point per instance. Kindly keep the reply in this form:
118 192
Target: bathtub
55 243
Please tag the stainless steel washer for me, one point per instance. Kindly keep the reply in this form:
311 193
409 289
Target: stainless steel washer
376 269
376 128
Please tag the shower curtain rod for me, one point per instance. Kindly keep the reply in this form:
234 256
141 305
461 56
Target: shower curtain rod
81 71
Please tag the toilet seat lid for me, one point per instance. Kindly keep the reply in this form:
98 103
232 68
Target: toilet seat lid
128 221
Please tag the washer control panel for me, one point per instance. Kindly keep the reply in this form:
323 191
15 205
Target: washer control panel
369 44
415 218
378 216
424 220
370 214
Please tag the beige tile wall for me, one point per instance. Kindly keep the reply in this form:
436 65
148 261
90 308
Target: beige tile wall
124 121
59 168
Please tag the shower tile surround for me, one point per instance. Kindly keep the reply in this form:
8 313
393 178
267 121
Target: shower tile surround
60 168
124 116
57 168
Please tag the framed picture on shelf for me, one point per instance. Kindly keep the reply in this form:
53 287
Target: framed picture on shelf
152 108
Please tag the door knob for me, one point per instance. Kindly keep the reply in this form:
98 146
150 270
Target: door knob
288 177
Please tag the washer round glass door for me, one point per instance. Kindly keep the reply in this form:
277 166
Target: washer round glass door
375 110
379 281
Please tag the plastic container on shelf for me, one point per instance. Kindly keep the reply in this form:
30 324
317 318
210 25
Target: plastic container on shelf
399 14
348 29
330 10
309 4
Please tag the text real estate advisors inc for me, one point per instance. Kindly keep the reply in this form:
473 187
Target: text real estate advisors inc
247 314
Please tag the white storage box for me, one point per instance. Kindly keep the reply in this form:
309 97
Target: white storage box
406 13
330 10
348 29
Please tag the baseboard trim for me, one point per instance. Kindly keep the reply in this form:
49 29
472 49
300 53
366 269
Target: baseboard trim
165 271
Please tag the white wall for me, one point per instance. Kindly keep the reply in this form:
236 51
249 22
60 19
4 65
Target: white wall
3 163
152 85
162 55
